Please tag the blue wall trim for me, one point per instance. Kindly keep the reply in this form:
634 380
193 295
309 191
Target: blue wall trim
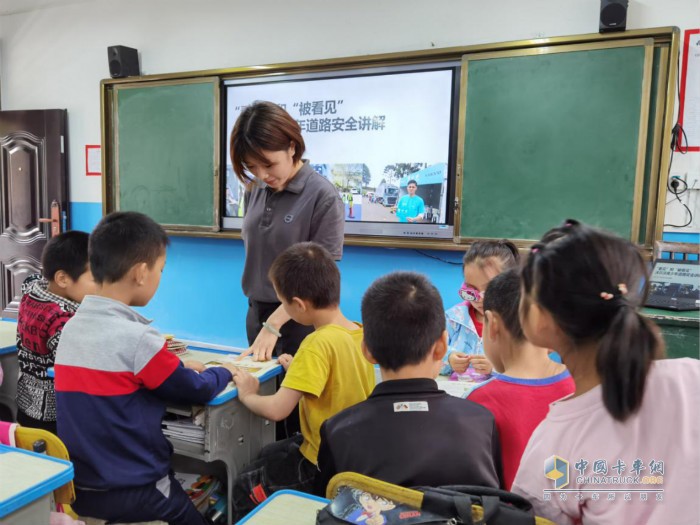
84 216
200 295
693 237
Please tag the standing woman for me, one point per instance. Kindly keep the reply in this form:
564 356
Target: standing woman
287 202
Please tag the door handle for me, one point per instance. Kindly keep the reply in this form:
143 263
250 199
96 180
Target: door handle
55 219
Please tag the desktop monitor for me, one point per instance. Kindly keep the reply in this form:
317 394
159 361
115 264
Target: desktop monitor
675 285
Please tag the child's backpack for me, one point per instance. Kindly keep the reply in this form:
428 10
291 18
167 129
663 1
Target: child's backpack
358 499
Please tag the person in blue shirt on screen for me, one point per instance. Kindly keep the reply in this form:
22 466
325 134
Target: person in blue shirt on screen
411 207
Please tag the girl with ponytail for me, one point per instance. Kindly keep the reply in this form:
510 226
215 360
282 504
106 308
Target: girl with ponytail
630 431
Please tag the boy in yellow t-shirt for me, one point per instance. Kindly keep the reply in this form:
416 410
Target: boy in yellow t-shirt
327 374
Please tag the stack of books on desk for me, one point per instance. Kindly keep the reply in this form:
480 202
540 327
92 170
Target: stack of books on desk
175 347
184 428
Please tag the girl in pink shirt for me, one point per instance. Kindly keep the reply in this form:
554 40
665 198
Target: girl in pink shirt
624 447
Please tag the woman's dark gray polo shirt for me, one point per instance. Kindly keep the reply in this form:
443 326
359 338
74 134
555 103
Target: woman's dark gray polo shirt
309 208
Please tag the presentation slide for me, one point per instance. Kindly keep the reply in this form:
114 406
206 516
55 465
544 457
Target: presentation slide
675 280
371 136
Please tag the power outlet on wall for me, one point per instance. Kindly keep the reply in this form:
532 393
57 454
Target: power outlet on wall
676 176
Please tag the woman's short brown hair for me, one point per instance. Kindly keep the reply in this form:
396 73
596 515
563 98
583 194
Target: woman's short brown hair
263 126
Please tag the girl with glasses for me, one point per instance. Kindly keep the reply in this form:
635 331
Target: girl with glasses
465 355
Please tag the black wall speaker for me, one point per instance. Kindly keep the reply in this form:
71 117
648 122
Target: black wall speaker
613 15
123 61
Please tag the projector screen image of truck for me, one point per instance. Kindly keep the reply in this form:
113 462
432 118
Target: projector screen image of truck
383 139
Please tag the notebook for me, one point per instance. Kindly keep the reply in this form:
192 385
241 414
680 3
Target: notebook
675 285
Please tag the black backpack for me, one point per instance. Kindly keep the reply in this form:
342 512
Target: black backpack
358 499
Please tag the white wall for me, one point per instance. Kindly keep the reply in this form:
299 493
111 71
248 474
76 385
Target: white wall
55 57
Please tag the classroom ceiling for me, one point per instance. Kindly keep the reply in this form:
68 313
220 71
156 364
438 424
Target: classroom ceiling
11 7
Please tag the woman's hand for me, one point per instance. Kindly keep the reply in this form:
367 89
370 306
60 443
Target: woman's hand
459 362
481 364
263 346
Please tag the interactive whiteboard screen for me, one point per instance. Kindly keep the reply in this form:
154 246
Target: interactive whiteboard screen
383 137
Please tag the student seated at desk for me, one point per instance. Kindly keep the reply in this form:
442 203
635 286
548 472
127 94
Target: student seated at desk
630 431
47 303
114 378
527 381
408 432
327 374
465 352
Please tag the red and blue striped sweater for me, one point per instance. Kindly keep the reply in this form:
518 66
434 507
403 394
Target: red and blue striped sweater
114 377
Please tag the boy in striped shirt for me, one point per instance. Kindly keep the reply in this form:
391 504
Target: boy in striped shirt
114 378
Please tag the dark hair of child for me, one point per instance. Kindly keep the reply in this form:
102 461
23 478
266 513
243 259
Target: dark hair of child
481 253
503 297
68 252
121 240
402 316
593 282
308 271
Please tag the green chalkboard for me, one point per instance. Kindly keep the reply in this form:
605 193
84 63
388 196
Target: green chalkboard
167 152
554 133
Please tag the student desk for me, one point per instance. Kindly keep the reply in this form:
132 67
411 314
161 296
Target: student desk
10 366
681 331
459 388
232 434
286 507
27 482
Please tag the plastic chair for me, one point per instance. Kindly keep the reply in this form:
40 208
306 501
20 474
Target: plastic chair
430 499
25 438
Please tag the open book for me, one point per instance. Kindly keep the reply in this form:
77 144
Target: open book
256 368
456 388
